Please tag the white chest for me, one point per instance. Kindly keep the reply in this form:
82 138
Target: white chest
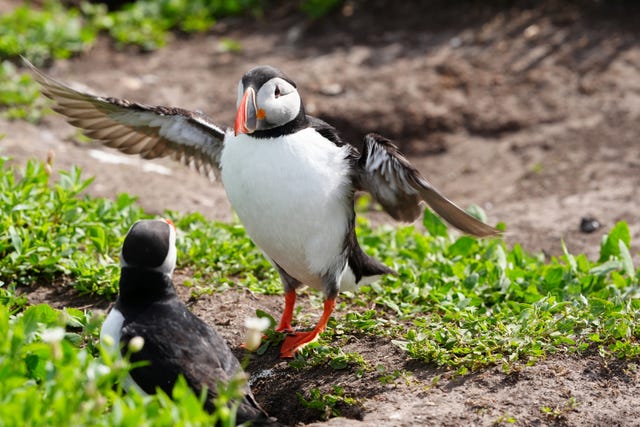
291 195
112 327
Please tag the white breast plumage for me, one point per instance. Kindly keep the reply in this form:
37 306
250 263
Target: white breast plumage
112 328
291 195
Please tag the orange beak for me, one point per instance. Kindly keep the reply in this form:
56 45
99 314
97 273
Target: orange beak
246 117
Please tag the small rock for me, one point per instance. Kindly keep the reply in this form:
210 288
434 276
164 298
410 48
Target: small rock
589 225
332 89
531 31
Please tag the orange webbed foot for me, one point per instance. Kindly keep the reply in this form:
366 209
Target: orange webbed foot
296 341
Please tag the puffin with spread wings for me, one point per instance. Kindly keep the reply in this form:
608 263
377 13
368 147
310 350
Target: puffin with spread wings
289 176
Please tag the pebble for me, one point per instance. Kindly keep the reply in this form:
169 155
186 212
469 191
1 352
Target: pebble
589 224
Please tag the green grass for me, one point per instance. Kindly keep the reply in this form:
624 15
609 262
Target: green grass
19 95
327 403
458 303
42 34
55 31
51 31
51 373
51 233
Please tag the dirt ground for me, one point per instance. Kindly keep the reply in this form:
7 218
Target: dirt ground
531 112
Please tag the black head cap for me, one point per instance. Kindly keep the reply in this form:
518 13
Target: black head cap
150 244
261 74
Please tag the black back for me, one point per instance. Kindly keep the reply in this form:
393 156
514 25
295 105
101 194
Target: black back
176 342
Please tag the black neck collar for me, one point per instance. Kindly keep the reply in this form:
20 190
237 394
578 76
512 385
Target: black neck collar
300 122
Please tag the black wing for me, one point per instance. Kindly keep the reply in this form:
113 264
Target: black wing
385 173
133 128
326 130
177 342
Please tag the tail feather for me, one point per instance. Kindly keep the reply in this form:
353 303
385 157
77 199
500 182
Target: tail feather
363 266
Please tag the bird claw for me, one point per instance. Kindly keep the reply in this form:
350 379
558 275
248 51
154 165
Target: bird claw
295 341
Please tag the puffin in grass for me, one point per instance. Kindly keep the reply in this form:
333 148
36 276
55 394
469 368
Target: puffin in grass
289 176
175 341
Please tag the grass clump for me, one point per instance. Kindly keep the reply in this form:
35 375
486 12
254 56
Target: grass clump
148 23
47 378
19 94
51 232
458 302
41 34
327 404
471 303
55 31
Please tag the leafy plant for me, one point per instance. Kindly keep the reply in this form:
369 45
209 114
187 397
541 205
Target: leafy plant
51 231
327 403
47 379
41 34
48 231
458 302
146 23
222 255
474 303
319 8
317 354
19 95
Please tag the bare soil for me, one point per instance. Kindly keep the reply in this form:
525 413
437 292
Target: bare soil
528 109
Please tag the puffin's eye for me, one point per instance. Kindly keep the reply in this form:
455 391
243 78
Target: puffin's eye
277 92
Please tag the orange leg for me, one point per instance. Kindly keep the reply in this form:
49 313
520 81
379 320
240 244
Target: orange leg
297 340
287 314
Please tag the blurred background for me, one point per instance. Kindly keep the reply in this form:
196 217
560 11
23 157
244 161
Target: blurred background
528 109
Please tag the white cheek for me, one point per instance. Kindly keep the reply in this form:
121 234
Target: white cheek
283 109
169 263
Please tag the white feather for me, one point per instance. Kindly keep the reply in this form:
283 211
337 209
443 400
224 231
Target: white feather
112 327
291 195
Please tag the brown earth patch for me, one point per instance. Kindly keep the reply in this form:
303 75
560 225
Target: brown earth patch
529 109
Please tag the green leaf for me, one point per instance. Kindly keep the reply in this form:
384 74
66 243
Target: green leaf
16 240
570 258
98 237
434 225
262 313
463 246
627 261
610 246
36 316
477 212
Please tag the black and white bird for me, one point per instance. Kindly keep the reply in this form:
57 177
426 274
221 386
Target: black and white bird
176 342
289 176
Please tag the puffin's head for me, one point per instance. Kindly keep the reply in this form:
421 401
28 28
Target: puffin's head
150 245
267 99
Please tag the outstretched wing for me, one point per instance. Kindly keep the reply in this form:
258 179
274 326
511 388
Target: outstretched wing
133 128
398 186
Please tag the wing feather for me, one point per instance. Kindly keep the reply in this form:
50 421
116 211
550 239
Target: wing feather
399 187
133 128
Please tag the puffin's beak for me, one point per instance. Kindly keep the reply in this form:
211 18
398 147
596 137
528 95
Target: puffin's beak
246 117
